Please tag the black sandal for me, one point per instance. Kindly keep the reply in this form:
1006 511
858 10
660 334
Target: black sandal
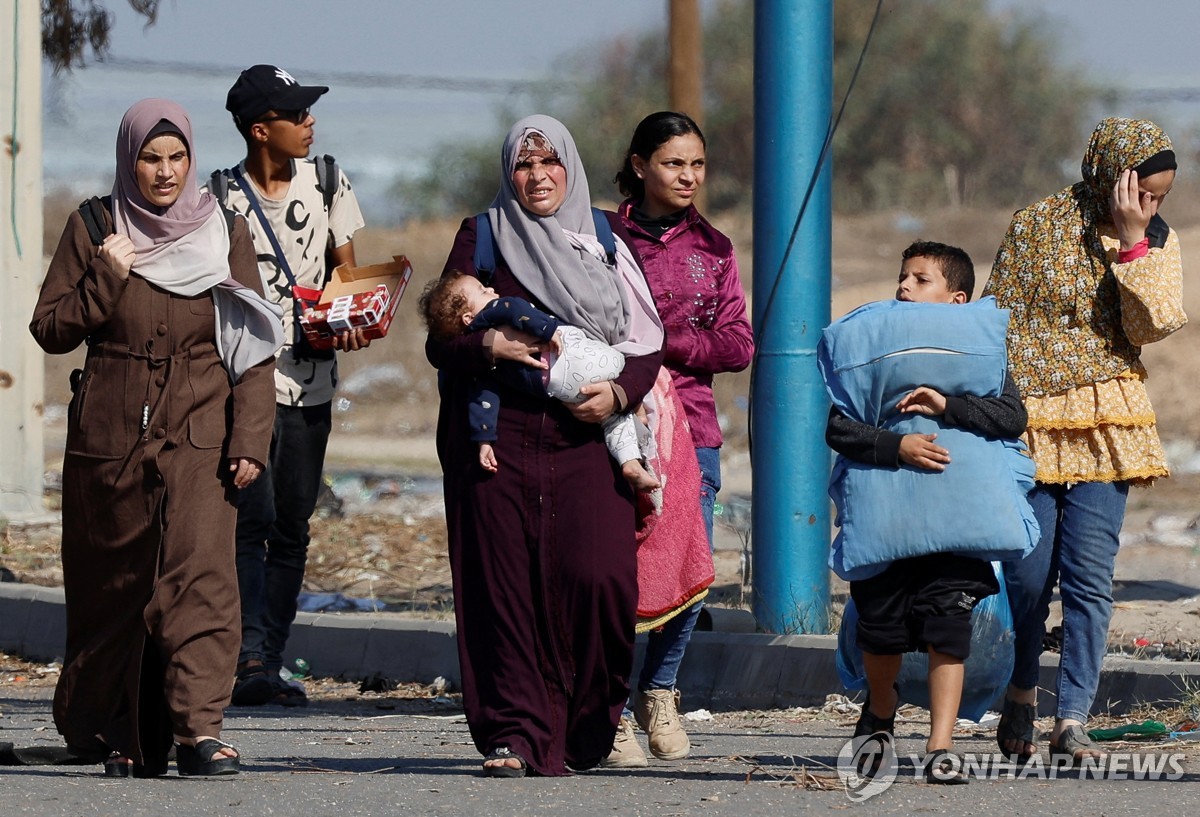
869 723
284 694
205 759
944 768
251 687
873 727
503 769
1074 745
1017 723
118 765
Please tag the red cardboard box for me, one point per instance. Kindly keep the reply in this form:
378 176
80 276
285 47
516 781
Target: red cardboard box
365 297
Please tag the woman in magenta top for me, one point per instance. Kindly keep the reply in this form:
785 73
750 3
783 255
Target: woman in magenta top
693 275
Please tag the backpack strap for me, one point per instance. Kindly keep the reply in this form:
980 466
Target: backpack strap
327 178
486 250
605 234
218 183
92 211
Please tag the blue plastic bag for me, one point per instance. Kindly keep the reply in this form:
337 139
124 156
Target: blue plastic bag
986 671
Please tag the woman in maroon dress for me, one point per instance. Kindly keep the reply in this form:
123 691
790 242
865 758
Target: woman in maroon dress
543 551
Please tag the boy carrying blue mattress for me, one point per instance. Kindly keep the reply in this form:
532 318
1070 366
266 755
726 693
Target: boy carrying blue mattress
930 483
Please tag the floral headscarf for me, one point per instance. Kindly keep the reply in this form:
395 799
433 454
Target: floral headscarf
1117 144
1053 272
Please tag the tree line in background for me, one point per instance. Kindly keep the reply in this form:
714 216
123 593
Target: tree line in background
954 105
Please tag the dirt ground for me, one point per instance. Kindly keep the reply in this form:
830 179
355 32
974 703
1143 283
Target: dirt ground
383 539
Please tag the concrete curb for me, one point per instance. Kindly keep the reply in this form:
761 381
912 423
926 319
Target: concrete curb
724 670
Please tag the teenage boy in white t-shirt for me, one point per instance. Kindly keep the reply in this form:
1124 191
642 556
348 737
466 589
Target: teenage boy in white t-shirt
280 192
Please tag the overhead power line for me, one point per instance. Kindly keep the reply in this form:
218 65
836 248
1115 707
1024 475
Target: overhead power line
1156 94
361 79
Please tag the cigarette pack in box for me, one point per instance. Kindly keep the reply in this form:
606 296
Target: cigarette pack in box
357 297
361 309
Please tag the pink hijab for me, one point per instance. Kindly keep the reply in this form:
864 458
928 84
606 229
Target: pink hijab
184 248
148 225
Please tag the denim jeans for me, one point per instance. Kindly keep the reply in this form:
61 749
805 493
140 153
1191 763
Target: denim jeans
665 647
272 530
1077 550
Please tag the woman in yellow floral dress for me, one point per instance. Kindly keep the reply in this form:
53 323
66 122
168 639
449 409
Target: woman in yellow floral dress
1091 274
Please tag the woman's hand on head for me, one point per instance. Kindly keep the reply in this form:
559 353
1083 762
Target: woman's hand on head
245 471
512 344
117 251
599 403
1131 208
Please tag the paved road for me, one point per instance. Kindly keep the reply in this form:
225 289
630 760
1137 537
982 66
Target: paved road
350 758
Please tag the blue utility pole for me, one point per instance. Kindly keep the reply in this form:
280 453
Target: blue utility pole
793 89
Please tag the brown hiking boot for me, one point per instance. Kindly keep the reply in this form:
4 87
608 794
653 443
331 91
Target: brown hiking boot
657 712
625 754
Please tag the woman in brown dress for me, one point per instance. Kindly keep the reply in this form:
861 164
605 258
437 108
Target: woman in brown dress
170 416
543 550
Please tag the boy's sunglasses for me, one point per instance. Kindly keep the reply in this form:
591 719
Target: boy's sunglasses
295 117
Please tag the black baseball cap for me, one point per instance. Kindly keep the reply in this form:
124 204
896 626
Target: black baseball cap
262 88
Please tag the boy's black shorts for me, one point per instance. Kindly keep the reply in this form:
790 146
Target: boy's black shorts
925 601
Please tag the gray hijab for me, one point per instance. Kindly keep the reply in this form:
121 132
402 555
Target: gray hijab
576 287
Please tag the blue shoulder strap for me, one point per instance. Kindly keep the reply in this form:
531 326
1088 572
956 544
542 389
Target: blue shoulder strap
605 234
266 226
486 250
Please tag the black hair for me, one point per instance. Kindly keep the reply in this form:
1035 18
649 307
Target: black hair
652 133
244 126
956 265
244 129
166 127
